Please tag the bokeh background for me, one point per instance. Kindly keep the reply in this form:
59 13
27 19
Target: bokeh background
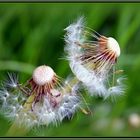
33 34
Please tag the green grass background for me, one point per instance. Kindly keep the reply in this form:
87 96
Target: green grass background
33 34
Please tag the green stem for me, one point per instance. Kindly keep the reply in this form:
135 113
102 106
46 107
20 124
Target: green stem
16 131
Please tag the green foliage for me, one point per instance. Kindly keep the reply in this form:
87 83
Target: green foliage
33 34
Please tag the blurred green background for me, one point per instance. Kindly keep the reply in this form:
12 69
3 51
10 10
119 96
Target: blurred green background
33 34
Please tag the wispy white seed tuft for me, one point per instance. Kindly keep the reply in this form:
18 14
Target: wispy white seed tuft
93 61
50 107
11 81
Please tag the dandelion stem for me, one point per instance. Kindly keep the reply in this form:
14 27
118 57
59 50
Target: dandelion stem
16 131
113 83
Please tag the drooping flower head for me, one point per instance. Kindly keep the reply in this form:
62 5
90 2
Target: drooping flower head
41 101
92 58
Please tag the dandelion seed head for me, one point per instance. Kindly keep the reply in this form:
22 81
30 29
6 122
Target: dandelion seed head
48 102
91 58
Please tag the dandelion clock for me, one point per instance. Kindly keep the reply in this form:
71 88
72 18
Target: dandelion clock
92 58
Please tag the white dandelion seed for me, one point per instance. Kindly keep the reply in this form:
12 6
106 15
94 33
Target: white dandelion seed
91 58
11 81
